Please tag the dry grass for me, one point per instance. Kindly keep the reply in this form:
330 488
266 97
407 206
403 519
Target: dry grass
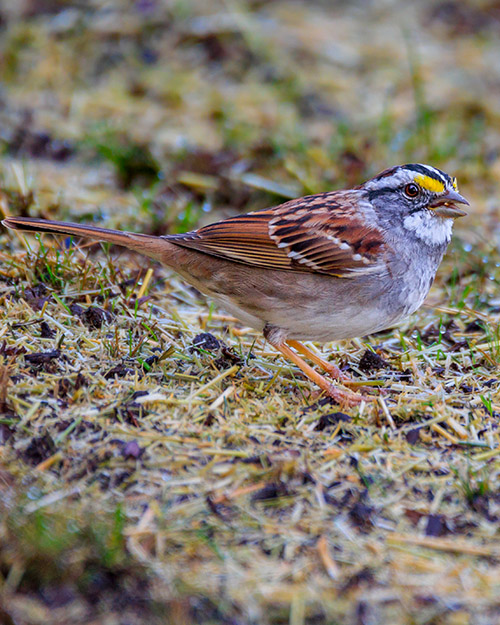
147 476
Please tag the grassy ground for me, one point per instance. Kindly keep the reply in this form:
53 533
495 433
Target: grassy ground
152 475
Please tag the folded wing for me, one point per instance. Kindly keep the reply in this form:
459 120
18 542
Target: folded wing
319 233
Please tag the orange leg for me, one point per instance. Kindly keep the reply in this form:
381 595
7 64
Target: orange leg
341 396
329 367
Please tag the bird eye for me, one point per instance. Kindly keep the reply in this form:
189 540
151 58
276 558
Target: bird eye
412 190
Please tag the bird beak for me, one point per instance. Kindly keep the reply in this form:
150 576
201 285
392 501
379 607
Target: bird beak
445 205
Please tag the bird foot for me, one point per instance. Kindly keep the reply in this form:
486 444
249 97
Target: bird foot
335 373
345 397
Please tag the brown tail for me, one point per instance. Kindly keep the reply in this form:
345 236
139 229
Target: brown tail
154 247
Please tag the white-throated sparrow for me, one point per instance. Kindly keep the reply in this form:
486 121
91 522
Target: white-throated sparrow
334 265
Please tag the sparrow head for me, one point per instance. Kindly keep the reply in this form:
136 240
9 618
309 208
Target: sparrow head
421 198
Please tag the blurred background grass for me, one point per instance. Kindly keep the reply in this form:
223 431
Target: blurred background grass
198 102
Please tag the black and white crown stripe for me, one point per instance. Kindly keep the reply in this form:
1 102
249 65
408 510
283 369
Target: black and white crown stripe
403 174
432 172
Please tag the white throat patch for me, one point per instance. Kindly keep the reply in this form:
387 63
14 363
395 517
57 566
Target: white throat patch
429 228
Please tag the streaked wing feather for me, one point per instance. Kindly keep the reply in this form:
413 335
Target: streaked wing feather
321 233
242 238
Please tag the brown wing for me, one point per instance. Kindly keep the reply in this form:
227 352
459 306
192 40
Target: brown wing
319 233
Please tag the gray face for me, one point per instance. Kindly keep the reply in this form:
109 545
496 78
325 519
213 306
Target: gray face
404 200
417 199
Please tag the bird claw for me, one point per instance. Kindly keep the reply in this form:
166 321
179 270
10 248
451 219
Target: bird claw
347 398
335 372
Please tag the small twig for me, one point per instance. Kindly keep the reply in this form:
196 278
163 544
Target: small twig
145 283
386 412
444 544
326 559
442 432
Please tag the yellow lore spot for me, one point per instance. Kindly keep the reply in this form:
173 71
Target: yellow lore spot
426 182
